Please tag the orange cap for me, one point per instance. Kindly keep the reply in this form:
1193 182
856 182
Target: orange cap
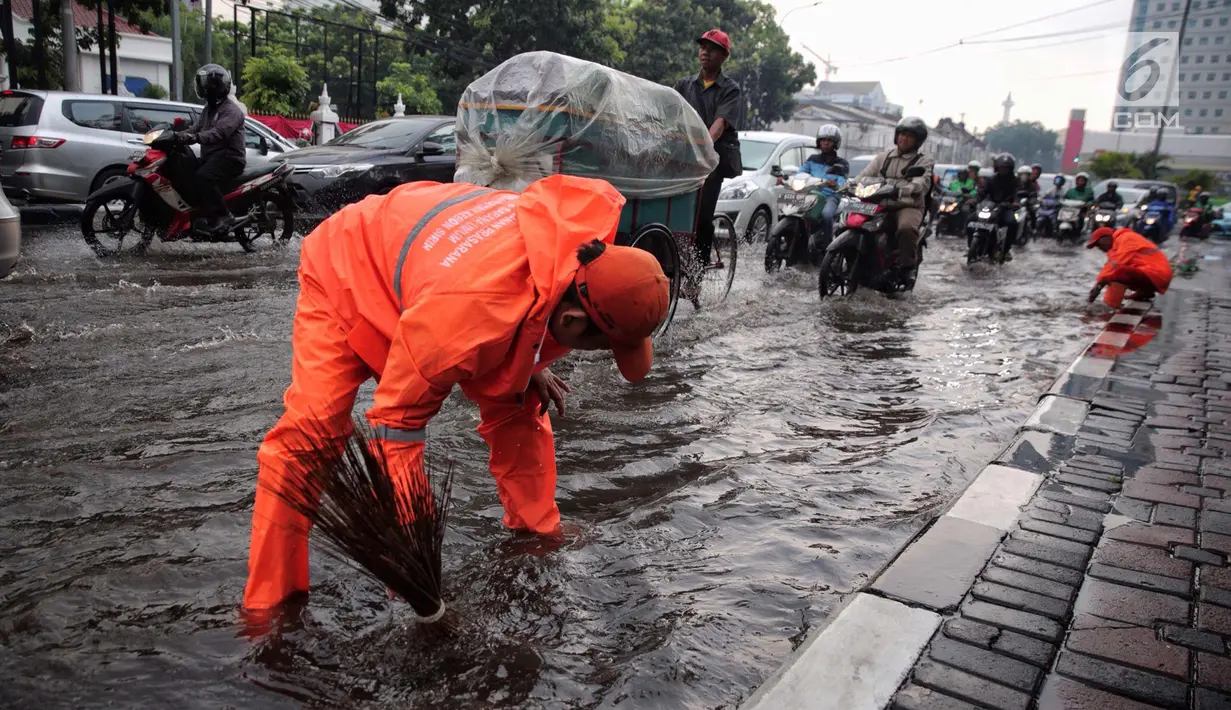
625 293
1099 234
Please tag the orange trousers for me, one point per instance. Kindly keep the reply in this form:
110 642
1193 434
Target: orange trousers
325 378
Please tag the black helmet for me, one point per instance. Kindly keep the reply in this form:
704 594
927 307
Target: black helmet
1204 197
1158 194
1004 162
1111 186
1058 181
831 132
914 126
213 83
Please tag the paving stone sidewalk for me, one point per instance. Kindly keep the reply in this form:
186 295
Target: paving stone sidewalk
1113 589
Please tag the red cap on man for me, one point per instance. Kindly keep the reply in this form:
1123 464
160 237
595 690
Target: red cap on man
718 37
627 295
1099 234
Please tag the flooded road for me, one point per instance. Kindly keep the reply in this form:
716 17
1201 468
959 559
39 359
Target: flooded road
776 457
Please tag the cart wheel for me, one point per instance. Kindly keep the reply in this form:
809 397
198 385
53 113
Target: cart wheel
717 277
658 240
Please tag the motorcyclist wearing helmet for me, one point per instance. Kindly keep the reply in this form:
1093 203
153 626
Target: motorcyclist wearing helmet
1207 208
1028 187
1058 187
1158 202
966 185
1003 188
1110 198
1081 189
826 163
220 131
1036 171
911 201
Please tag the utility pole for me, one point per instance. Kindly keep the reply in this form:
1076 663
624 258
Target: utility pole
10 43
115 69
68 38
177 66
209 31
102 52
1158 140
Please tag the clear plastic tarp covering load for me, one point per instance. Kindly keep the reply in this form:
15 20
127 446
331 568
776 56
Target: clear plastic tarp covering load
542 113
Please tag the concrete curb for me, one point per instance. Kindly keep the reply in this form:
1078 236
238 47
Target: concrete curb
861 656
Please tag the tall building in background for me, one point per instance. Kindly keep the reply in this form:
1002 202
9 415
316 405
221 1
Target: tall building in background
1205 59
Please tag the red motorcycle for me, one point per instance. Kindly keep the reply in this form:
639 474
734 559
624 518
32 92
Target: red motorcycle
146 203
1194 224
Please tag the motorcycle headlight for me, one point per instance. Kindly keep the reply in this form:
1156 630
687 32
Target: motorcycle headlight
736 190
330 172
985 214
1150 220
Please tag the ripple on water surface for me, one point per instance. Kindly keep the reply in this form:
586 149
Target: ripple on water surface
779 453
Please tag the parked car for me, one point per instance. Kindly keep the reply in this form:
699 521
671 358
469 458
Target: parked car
61 146
10 236
751 199
372 159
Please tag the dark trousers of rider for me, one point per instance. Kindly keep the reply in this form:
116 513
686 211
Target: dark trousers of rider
200 182
705 215
1008 220
908 220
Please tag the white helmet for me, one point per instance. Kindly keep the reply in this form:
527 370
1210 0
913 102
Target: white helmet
1025 170
831 132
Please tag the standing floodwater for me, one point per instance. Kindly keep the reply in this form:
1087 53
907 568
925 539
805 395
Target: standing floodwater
779 453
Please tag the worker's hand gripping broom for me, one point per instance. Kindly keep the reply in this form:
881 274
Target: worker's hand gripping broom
390 524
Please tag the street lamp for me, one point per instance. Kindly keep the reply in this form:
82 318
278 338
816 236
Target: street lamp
801 7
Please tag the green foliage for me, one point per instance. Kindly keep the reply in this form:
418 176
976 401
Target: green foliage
274 83
1115 165
154 91
1151 163
1191 179
1028 141
768 71
53 50
414 86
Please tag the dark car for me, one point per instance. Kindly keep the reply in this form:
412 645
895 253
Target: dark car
372 159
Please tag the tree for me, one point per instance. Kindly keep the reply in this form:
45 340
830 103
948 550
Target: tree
1191 179
1029 142
768 72
663 46
414 86
154 91
1150 163
53 54
1114 165
274 83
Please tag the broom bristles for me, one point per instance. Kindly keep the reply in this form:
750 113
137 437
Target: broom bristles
389 524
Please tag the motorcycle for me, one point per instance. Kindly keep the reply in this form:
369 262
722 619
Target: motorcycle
860 255
1153 224
1195 225
950 212
985 238
1104 216
799 217
1046 219
1071 219
1025 227
147 203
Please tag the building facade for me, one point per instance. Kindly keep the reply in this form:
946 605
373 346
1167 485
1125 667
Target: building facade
1205 58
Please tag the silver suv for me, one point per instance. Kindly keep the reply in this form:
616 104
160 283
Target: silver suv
60 146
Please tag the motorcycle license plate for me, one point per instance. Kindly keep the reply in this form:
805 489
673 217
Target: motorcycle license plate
861 208
982 225
790 199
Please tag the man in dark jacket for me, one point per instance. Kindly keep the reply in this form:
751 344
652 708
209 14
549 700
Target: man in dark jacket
220 131
715 98
1003 188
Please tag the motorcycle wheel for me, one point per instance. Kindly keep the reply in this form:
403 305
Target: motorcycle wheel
974 249
274 218
775 252
107 220
838 274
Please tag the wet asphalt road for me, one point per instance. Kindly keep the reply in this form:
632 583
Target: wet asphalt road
778 455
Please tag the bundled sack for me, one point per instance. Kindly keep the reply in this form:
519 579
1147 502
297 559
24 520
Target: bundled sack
542 113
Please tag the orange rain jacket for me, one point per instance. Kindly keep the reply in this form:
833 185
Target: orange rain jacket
1131 254
430 286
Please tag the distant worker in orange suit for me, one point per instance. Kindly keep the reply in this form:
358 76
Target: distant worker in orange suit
436 285
1133 262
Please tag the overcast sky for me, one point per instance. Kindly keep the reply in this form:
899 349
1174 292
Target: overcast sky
972 79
